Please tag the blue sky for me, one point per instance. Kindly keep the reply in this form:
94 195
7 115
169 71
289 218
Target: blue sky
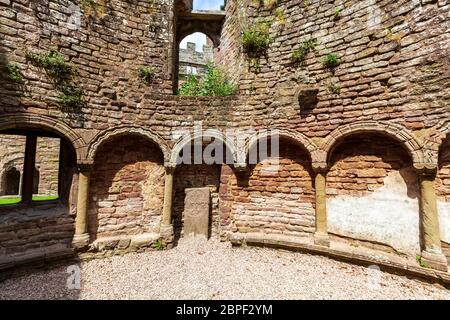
207 4
199 38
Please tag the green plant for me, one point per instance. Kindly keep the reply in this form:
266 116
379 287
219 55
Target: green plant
421 262
337 13
299 55
14 72
256 40
71 96
158 245
146 74
215 83
334 88
331 61
53 63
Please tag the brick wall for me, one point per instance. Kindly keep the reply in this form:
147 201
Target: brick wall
196 176
275 199
127 188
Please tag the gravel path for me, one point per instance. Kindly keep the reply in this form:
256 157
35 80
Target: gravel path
197 269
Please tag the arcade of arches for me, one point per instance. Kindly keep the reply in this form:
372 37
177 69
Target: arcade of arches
360 174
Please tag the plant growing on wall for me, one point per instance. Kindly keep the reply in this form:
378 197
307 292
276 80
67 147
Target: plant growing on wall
14 73
256 40
299 55
60 72
53 63
331 61
146 74
215 83
334 88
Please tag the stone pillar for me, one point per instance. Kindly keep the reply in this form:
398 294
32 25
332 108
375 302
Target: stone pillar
321 235
166 222
81 238
432 255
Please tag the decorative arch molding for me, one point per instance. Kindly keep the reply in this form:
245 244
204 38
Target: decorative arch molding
434 142
41 122
291 135
209 133
115 132
392 130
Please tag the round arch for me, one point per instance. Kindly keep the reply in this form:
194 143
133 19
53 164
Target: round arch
394 131
210 133
434 142
34 121
294 136
109 134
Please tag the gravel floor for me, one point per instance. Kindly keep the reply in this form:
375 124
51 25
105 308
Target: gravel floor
197 269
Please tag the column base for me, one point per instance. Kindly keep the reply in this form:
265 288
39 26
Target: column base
80 241
436 261
166 233
322 239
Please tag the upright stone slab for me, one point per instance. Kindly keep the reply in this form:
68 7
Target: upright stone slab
196 211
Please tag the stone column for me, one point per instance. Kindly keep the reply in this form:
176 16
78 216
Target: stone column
321 235
81 238
432 255
166 222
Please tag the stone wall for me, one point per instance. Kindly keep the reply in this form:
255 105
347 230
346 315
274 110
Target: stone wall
392 78
12 152
190 58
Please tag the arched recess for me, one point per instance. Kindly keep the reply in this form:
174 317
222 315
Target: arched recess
187 140
127 183
392 130
27 121
218 155
372 188
109 134
293 136
276 195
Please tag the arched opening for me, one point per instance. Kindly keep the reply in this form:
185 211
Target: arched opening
372 191
127 188
275 195
12 182
37 157
38 179
443 193
195 52
197 29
